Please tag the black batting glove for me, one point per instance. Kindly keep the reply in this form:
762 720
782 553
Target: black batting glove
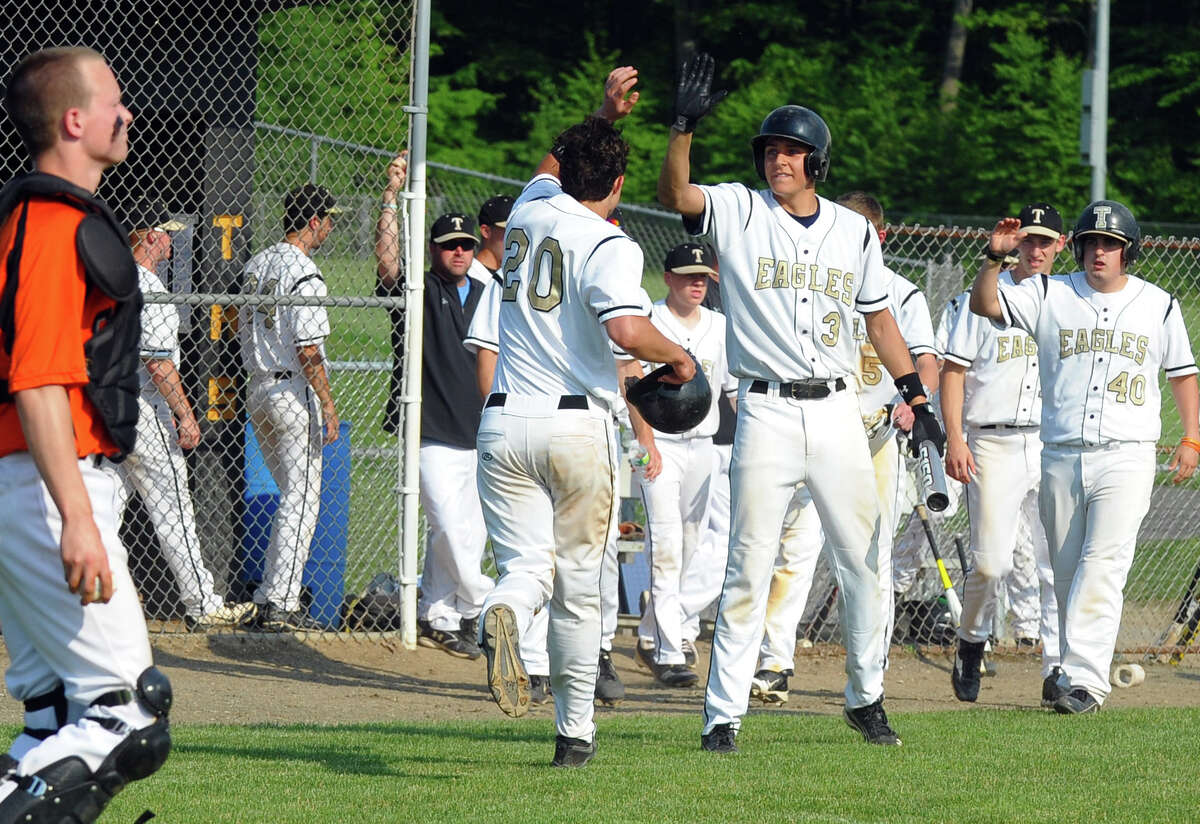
694 96
926 428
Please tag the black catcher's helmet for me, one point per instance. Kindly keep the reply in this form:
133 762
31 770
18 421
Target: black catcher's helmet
796 123
1107 217
668 407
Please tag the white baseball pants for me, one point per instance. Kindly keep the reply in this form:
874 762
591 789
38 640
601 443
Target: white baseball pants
780 443
1093 500
547 480
287 423
1004 493
702 578
157 471
800 545
51 637
453 585
676 504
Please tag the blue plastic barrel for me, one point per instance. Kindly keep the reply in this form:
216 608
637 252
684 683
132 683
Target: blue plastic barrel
325 572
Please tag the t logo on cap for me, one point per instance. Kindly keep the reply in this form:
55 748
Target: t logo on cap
1102 213
1037 214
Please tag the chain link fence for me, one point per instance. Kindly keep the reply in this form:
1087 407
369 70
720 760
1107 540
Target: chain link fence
238 103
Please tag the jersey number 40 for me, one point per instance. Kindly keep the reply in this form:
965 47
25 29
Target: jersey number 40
549 251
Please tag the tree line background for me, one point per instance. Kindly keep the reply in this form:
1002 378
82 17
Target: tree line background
943 108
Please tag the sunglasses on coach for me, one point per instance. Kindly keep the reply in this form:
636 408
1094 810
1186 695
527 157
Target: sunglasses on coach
457 243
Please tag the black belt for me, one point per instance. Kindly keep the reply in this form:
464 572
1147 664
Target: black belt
801 390
1008 426
564 401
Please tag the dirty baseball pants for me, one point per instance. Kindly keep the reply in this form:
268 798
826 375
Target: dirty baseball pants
51 638
702 578
1093 500
781 442
287 424
157 471
547 480
676 504
1004 492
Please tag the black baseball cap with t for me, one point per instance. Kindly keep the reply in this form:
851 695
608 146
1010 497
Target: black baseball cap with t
494 211
453 226
150 214
1041 219
691 259
309 201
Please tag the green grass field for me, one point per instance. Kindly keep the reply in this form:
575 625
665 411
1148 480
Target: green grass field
975 766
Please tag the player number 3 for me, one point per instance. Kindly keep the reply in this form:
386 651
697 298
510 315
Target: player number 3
548 250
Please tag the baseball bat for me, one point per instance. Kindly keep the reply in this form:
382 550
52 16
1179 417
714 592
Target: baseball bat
948 585
932 476
1188 636
1174 633
962 555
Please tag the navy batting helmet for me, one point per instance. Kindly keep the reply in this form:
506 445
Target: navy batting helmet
796 123
669 407
1107 217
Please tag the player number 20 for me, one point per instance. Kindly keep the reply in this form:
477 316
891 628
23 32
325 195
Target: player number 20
1127 389
548 250
267 312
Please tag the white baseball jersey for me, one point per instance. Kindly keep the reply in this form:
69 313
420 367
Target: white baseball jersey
706 340
911 310
484 331
791 291
160 330
270 334
1001 385
577 271
950 313
1105 347
480 272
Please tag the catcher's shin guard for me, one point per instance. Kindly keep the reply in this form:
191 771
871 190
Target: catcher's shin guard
68 792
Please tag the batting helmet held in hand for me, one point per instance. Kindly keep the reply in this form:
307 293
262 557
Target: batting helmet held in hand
668 407
803 125
1107 217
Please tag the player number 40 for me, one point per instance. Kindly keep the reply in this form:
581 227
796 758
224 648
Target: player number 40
548 251
1127 389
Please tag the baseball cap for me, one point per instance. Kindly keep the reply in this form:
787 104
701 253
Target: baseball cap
494 211
150 214
691 259
307 202
1041 219
451 226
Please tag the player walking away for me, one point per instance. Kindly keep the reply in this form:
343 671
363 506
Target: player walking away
289 398
453 585
547 454
493 217
95 706
794 269
991 384
1102 335
676 500
156 469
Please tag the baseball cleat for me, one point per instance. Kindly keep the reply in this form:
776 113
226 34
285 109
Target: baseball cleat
572 752
609 689
505 672
226 615
770 687
270 618
455 642
539 690
872 722
643 654
675 675
964 677
720 739
1051 691
689 654
1076 702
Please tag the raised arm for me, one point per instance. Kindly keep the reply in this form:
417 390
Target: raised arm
985 297
694 98
619 100
387 228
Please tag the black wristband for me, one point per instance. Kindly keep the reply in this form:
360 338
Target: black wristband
995 257
910 386
682 124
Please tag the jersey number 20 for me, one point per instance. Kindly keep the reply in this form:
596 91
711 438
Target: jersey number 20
548 250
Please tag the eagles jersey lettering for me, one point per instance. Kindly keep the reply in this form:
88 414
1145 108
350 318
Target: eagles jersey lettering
1111 344
791 291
